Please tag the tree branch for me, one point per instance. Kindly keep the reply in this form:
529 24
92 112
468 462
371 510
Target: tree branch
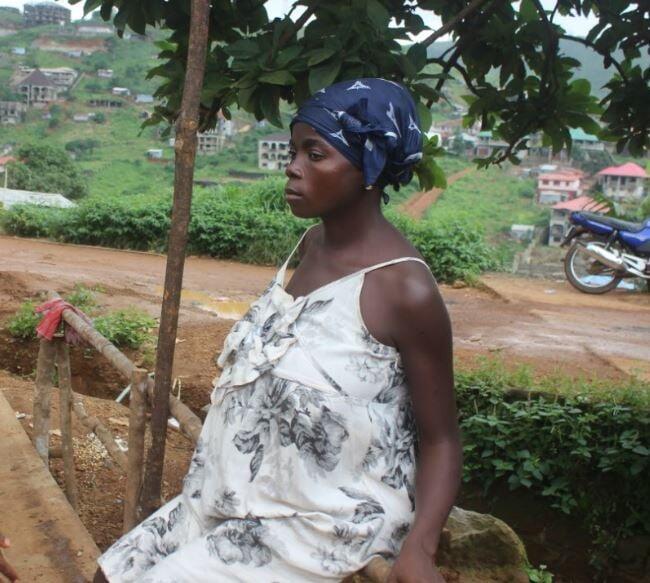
305 16
445 28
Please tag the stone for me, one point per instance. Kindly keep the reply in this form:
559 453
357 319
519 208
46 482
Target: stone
481 548
474 548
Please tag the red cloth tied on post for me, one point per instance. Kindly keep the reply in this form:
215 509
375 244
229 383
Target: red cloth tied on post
52 313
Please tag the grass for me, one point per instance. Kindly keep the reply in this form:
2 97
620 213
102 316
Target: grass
490 198
497 372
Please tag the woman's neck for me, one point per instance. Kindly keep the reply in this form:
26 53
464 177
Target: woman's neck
349 226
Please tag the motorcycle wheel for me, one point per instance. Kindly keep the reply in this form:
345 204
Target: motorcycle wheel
587 274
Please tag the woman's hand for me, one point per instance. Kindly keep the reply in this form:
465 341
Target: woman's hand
414 565
5 568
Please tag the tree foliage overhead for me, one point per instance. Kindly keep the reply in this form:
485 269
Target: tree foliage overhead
508 55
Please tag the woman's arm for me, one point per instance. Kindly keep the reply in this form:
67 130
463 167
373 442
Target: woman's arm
422 333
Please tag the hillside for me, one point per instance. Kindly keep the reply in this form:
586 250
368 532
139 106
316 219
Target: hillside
592 67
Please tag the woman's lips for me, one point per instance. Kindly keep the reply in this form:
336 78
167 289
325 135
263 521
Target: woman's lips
291 194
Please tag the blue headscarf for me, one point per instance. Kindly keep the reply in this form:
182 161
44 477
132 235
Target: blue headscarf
373 123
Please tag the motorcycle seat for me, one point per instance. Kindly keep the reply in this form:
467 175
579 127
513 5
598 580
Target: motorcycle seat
617 224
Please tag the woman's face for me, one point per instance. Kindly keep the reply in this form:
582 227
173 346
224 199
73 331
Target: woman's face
321 179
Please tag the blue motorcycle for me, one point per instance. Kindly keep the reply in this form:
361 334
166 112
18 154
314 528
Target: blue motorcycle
604 251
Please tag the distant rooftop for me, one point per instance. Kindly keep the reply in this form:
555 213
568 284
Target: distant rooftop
582 136
581 203
629 169
11 196
37 77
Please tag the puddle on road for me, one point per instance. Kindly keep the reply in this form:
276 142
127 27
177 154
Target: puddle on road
223 307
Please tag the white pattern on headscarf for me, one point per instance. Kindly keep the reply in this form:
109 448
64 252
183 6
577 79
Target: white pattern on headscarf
390 112
413 125
357 85
340 136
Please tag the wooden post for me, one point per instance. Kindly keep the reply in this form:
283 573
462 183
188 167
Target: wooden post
65 414
137 426
185 148
42 395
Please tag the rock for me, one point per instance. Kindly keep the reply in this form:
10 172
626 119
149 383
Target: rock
459 284
474 548
481 548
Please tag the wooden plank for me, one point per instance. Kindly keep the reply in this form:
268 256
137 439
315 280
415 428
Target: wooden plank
42 396
49 542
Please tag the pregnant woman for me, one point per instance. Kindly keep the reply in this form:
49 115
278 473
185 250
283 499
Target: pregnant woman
332 436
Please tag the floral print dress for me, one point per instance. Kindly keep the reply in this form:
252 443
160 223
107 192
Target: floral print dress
305 466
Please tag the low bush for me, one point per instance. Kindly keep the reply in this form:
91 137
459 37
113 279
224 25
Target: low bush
82 297
588 459
23 323
129 327
250 224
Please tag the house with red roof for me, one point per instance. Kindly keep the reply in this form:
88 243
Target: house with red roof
559 186
559 222
626 182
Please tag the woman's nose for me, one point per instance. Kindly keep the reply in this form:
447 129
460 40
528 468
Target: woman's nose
291 170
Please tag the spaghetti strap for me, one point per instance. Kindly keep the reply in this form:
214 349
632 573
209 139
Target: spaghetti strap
393 261
283 269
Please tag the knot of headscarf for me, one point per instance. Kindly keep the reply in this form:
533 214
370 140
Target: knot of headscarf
373 123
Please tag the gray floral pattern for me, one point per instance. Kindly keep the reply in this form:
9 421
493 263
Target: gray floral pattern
305 466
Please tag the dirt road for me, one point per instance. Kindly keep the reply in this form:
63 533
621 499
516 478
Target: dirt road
416 206
545 324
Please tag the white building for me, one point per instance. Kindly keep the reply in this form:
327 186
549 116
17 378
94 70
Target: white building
559 186
61 76
559 221
626 182
522 232
143 98
155 154
273 152
12 111
210 142
105 73
11 196
37 89
120 91
37 13
18 51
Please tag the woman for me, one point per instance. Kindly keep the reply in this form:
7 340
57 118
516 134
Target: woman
306 465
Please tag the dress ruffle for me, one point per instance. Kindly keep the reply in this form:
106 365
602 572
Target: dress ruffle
259 339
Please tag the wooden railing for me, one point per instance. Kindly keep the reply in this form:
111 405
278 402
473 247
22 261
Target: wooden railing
55 353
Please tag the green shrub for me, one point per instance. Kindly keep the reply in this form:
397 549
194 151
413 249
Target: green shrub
248 223
23 323
82 297
587 459
129 327
28 220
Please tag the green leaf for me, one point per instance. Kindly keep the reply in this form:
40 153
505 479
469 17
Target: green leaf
278 78
528 11
320 55
324 75
378 15
425 116
242 49
270 105
417 54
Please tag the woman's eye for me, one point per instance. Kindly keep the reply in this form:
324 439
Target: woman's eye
292 154
315 156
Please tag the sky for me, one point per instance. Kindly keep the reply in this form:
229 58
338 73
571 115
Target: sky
574 26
